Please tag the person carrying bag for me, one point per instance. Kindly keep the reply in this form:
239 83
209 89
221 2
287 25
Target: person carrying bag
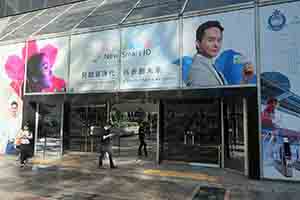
25 147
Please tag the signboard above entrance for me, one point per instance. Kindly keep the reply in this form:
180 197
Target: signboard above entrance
147 55
94 61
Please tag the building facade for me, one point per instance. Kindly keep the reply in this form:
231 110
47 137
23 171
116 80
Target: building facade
229 99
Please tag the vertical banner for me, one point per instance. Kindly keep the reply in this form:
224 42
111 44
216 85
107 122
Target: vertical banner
46 65
219 50
280 90
95 61
148 53
12 60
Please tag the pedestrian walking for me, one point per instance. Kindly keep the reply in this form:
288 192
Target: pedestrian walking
25 147
106 147
143 128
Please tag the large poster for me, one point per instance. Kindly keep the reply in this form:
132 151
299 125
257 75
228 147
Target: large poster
148 55
280 83
95 59
12 60
46 65
219 50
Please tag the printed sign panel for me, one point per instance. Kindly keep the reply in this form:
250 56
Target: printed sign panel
280 90
148 56
46 65
95 59
12 61
216 52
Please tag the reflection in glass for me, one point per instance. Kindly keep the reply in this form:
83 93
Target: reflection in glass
82 118
192 132
234 145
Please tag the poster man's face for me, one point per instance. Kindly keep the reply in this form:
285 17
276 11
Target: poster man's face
211 42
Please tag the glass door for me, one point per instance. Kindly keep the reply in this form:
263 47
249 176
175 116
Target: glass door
234 137
192 132
48 143
126 119
81 119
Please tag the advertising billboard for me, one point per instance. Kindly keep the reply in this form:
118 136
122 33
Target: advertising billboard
216 52
12 60
95 61
46 65
148 55
280 90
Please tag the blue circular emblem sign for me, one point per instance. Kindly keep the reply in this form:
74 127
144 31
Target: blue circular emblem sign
277 21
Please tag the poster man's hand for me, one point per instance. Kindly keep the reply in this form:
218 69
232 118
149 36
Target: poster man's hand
248 72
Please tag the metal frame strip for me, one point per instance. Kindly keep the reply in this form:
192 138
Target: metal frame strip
222 135
158 133
36 127
183 7
258 71
245 126
61 129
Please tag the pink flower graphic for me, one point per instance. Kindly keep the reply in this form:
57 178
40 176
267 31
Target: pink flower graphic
15 66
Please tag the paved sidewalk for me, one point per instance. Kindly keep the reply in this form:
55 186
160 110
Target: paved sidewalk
77 177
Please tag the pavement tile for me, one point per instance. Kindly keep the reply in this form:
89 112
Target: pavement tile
132 181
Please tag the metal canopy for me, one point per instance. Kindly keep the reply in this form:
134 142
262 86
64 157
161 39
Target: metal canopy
72 18
109 13
21 20
18 7
102 13
156 8
198 5
104 19
36 23
145 3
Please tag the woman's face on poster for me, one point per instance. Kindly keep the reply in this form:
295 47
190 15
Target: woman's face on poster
45 66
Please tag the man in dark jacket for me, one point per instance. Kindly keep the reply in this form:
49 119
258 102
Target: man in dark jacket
142 133
106 146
